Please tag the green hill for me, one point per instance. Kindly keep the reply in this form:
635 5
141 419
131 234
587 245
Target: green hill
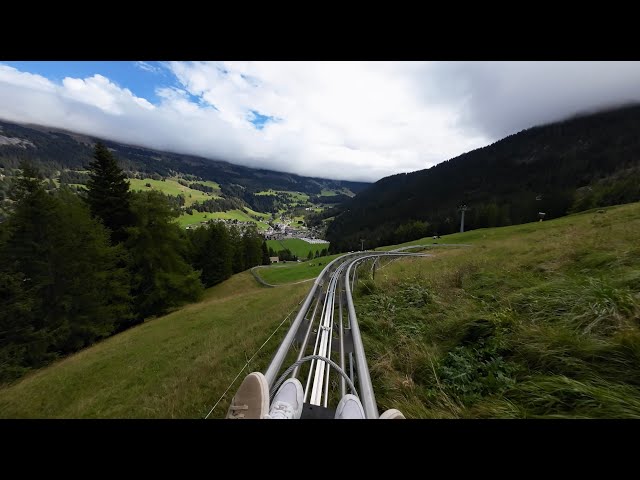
539 320
298 247
175 366
170 187
214 185
52 150
534 320
282 274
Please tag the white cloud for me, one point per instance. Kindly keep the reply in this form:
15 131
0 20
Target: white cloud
345 120
11 76
501 98
147 67
102 93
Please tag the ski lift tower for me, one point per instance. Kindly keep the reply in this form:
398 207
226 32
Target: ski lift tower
462 208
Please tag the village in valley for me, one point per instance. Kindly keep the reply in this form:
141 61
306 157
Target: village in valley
278 229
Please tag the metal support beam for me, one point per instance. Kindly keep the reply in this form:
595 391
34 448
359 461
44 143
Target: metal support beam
343 383
367 397
303 346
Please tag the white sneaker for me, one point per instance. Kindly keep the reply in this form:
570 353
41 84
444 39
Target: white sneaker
392 414
287 404
350 408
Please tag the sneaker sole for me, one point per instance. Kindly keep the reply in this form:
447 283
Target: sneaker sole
392 414
264 389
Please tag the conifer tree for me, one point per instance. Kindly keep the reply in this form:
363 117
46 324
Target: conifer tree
61 286
108 193
216 255
162 277
252 246
265 254
236 249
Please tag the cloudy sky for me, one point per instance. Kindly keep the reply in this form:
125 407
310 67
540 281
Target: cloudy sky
341 120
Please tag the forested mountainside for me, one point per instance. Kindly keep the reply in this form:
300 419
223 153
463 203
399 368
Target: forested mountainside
573 165
51 150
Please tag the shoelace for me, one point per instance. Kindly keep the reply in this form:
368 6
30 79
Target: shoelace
235 413
281 410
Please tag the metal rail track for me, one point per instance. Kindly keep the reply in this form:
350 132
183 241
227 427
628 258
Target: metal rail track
331 292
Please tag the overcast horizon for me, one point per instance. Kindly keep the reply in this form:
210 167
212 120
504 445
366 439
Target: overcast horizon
358 121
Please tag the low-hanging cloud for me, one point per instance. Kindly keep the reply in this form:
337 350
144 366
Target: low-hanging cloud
502 98
342 120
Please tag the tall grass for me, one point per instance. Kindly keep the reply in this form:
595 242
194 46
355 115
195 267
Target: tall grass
539 320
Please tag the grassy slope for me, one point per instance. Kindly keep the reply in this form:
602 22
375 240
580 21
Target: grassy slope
295 196
294 272
171 187
210 183
536 320
303 197
298 247
175 366
197 217
263 216
453 238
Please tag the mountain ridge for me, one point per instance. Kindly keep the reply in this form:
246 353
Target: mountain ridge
556 168
134 156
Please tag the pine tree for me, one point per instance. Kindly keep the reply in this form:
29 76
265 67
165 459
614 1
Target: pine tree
310 255
108 193
252 246
236 249
60 284
21 344
162 277
265 254
216 255
27 183
95 283
17 335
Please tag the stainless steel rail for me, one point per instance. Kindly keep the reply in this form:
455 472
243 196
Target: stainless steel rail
335 278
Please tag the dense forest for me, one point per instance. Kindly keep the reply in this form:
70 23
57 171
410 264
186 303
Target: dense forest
556 169
78 267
